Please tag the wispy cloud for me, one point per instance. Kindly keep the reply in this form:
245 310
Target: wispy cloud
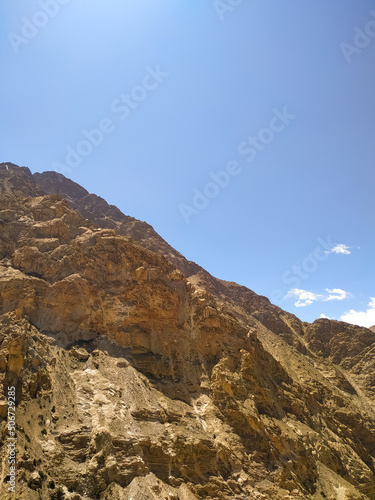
336 294
341 248
361 318
306 298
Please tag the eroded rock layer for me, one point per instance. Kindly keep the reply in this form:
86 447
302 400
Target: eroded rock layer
140 376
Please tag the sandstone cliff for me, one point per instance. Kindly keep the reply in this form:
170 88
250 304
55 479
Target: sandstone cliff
140 376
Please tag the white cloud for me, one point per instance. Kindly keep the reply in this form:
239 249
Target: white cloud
336 294
361 318
305 298
325 317
341 248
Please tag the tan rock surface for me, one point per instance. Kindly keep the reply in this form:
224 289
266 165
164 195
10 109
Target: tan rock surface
135 380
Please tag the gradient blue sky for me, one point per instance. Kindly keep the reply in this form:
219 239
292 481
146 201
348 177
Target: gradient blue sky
225 70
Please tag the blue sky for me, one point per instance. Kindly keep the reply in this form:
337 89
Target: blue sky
242 131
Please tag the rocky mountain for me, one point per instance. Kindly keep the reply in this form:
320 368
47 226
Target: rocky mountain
140 376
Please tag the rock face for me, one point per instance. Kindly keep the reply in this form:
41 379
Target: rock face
140 376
